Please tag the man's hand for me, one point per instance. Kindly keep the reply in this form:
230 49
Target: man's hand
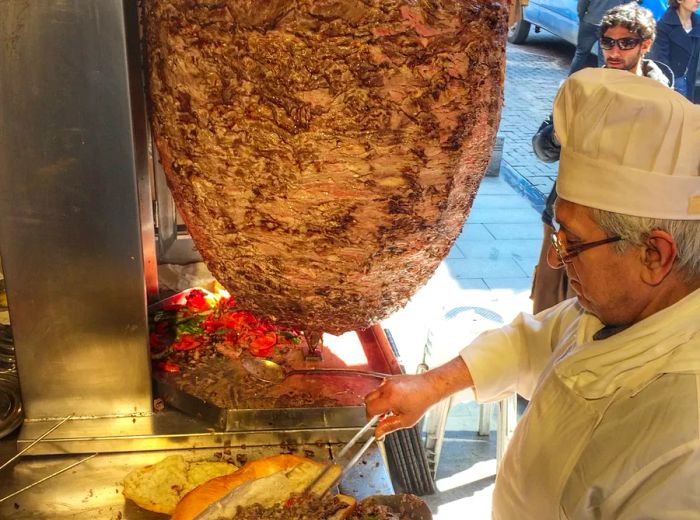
406 398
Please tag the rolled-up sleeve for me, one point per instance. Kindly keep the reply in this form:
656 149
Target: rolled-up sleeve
511 359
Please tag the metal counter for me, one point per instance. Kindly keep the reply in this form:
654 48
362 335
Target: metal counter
93 489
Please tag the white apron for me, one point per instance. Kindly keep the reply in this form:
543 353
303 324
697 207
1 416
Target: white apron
583 384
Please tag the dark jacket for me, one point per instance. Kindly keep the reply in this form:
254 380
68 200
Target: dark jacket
592 11
548 149
677 48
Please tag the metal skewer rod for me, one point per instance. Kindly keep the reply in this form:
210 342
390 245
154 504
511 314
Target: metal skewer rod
339 371
25 488
40 438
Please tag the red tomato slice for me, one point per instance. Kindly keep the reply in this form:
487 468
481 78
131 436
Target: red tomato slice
262 345
167 366
186 342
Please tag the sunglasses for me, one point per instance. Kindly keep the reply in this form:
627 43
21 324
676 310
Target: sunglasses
565 253
625 44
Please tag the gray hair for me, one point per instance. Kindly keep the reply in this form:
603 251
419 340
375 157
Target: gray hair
634 230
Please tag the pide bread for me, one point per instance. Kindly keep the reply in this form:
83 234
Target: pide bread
267 482
159 487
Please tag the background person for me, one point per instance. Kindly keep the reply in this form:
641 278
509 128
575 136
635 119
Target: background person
627 35
590 13
612 428
678 43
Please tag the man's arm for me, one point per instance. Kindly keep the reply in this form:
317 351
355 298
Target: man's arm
497 363
408 397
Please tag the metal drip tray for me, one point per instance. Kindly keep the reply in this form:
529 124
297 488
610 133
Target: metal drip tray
214 385
11 414
231 401
257 419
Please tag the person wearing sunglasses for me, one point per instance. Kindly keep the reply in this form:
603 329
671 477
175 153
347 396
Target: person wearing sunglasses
613 376
590 13
627 34
678 43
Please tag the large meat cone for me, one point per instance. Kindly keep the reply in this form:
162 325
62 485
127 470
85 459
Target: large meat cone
325 153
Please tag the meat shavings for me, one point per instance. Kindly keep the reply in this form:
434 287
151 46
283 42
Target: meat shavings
297 507
324 154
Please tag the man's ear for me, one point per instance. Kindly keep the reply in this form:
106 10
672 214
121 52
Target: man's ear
659 252
645 46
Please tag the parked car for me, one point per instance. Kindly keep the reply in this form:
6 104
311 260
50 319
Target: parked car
559 17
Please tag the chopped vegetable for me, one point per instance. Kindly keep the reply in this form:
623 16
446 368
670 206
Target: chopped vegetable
198 319
167 366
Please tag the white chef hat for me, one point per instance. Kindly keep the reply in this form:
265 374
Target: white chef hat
628 145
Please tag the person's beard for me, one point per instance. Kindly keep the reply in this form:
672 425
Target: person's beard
628 64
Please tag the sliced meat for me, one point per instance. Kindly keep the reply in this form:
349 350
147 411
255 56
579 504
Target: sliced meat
325 153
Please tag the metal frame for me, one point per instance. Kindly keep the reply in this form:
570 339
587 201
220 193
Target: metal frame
74 231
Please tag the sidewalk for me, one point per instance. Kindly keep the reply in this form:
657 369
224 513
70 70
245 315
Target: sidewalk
534 72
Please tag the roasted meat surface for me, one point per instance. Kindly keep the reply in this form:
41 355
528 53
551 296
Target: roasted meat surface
324 153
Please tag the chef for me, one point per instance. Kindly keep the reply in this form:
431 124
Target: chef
613 376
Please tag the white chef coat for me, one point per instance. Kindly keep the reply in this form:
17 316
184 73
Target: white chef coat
612 430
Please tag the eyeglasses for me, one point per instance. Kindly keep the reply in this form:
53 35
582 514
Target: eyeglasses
624 44
565 254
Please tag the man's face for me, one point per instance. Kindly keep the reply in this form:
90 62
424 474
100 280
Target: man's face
616 58
607 282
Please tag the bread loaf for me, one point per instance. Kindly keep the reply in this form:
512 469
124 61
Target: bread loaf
269 481
159 487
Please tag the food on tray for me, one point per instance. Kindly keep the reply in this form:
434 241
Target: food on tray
199 323
159 487
266 486
298 507
324 154
392 507
199 337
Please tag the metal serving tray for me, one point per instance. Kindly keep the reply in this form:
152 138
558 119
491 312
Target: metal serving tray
237 420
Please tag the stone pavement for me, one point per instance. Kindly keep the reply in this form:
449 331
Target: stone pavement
534 72
485 280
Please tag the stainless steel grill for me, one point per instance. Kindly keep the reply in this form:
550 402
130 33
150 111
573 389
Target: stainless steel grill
79 253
